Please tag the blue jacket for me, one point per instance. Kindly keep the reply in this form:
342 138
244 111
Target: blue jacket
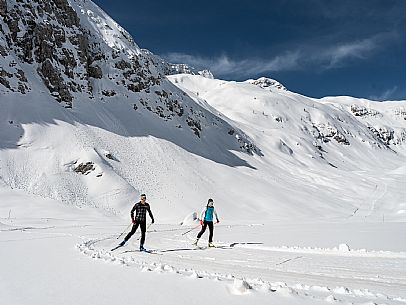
207 214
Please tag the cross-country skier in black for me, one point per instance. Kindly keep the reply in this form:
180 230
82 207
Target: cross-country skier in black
206 219
141 208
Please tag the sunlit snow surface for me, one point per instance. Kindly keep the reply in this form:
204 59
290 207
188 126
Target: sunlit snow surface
47 247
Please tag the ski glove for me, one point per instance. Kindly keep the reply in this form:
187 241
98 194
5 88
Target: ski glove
201 222
152 220
133 221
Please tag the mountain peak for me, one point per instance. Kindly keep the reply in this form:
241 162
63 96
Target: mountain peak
266 83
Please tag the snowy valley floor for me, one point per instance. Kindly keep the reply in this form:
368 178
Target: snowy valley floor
53 254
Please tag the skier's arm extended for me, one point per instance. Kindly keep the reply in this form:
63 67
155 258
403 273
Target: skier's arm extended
203 214
215 213
132 213
150 214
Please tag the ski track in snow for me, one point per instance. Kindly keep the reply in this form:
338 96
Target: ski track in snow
327 251
183 260
245 266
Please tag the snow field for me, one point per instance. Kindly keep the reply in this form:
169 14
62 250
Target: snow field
250 268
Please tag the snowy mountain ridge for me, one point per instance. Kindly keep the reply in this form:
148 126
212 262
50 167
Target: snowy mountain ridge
266 83
171 69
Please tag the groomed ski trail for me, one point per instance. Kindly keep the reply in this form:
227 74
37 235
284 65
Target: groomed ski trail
257 267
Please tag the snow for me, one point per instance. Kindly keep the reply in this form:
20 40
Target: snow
343 248
312 213
280 123
48 247
106 28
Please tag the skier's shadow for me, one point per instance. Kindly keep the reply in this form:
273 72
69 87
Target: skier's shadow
166 250
181 249
246 243
231 246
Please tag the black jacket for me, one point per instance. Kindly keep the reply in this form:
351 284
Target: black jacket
141 212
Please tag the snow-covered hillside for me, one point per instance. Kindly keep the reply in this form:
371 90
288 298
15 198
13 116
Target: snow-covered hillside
82 92
334 155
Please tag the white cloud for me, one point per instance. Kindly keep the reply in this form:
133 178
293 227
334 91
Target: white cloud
306 57
337 55
224 65
386 95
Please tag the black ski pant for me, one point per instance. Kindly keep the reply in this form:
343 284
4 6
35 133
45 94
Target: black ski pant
143 225
211 228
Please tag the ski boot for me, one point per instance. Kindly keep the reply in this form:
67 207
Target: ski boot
142 248
211 245
195 243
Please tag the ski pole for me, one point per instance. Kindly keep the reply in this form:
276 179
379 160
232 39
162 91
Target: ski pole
191 229
124 230
290 259
139 237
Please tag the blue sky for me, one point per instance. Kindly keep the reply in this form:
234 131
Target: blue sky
314 47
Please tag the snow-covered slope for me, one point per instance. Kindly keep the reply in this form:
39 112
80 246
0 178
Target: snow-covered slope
89 118
82 91
331 154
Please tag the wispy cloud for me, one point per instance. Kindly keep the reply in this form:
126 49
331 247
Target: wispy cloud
338 55
386 95
305 57
224 65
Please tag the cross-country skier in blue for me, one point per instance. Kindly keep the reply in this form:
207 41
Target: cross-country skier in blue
206 219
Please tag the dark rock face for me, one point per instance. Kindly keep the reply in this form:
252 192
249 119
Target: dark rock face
3 51
3 7
109 92
48 33
267 83
85 168
38 32
95 72
194 125
55 83
326 132
65 13
362 111
383 134
3 78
